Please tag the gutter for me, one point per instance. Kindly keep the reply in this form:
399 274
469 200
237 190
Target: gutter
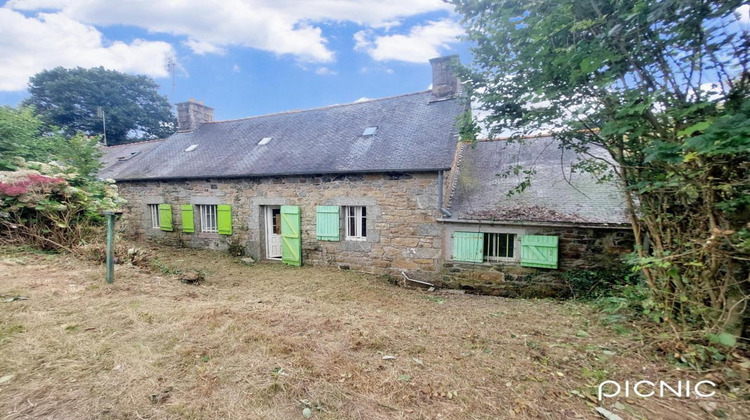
280 174
612 226
440 195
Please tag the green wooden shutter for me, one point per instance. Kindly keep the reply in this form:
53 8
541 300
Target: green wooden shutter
165 217
467 246
539 251
291 238
224 219
327 228
188 221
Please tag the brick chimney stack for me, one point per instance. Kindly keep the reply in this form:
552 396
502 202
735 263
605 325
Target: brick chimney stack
445 84
191 114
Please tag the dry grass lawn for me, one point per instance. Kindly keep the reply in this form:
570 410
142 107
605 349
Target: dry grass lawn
268 341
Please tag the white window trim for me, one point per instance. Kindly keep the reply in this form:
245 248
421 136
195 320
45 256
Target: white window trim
209 218
512 258
359 220
154 210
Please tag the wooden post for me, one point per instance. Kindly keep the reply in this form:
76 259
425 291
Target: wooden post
111 244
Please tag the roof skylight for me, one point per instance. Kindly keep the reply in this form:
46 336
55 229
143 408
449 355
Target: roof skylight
264 141
191 148
369 131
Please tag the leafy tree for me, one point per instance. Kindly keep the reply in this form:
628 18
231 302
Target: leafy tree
24 137
663 87
72 98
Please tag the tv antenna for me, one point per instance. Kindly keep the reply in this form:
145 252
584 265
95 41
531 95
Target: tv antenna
171 65
100 114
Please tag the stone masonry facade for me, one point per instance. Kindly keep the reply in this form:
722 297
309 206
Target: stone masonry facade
402 232
580 248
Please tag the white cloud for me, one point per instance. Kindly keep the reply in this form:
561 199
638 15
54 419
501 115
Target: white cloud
203 48
236 68
31 44
278 26
419 45
743 13
325 71
282 27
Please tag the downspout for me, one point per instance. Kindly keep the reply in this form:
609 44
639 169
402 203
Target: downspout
440 195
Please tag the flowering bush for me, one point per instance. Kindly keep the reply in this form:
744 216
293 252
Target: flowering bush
50 206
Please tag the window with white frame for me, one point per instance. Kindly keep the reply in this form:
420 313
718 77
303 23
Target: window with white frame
153 209
499 246
209 221
355 220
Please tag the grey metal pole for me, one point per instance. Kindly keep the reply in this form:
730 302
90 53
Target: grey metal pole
110 244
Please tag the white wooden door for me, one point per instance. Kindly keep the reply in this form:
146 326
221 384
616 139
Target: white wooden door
273 232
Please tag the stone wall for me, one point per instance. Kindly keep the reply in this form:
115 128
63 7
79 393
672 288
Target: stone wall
402 233
580 248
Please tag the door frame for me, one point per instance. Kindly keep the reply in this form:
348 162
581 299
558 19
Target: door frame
268 214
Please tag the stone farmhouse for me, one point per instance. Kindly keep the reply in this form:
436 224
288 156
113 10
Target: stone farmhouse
382 186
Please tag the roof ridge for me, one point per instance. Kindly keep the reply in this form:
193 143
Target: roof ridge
526 137
135 142
298 111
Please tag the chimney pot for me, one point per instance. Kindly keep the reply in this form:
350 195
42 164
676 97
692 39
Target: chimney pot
191 114
445 83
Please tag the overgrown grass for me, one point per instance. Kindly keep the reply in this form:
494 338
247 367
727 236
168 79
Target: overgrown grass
267 341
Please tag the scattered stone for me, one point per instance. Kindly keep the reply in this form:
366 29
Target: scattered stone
5 379
708 406
162 396
191 276
431 289
389 357
307 413
607 414
582 333
248 260
14 298
454 291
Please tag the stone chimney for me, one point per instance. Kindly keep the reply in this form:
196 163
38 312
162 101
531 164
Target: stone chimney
445 83
191 114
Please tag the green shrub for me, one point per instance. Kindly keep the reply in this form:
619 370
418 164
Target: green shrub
592 284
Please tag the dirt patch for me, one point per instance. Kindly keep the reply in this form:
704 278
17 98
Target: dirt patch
268 341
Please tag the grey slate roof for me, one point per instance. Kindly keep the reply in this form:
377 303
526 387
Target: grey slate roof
115 158
481 194
413 135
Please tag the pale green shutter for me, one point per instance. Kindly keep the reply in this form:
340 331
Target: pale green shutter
539 251
327 228
291 238
467 246
188 221
165 217
224 219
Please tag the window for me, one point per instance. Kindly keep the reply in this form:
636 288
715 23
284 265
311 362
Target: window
264 141
209 222
355 219
154 210
499 246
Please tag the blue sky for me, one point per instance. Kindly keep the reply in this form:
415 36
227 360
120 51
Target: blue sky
241 57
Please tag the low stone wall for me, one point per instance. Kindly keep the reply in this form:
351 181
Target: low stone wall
579 249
